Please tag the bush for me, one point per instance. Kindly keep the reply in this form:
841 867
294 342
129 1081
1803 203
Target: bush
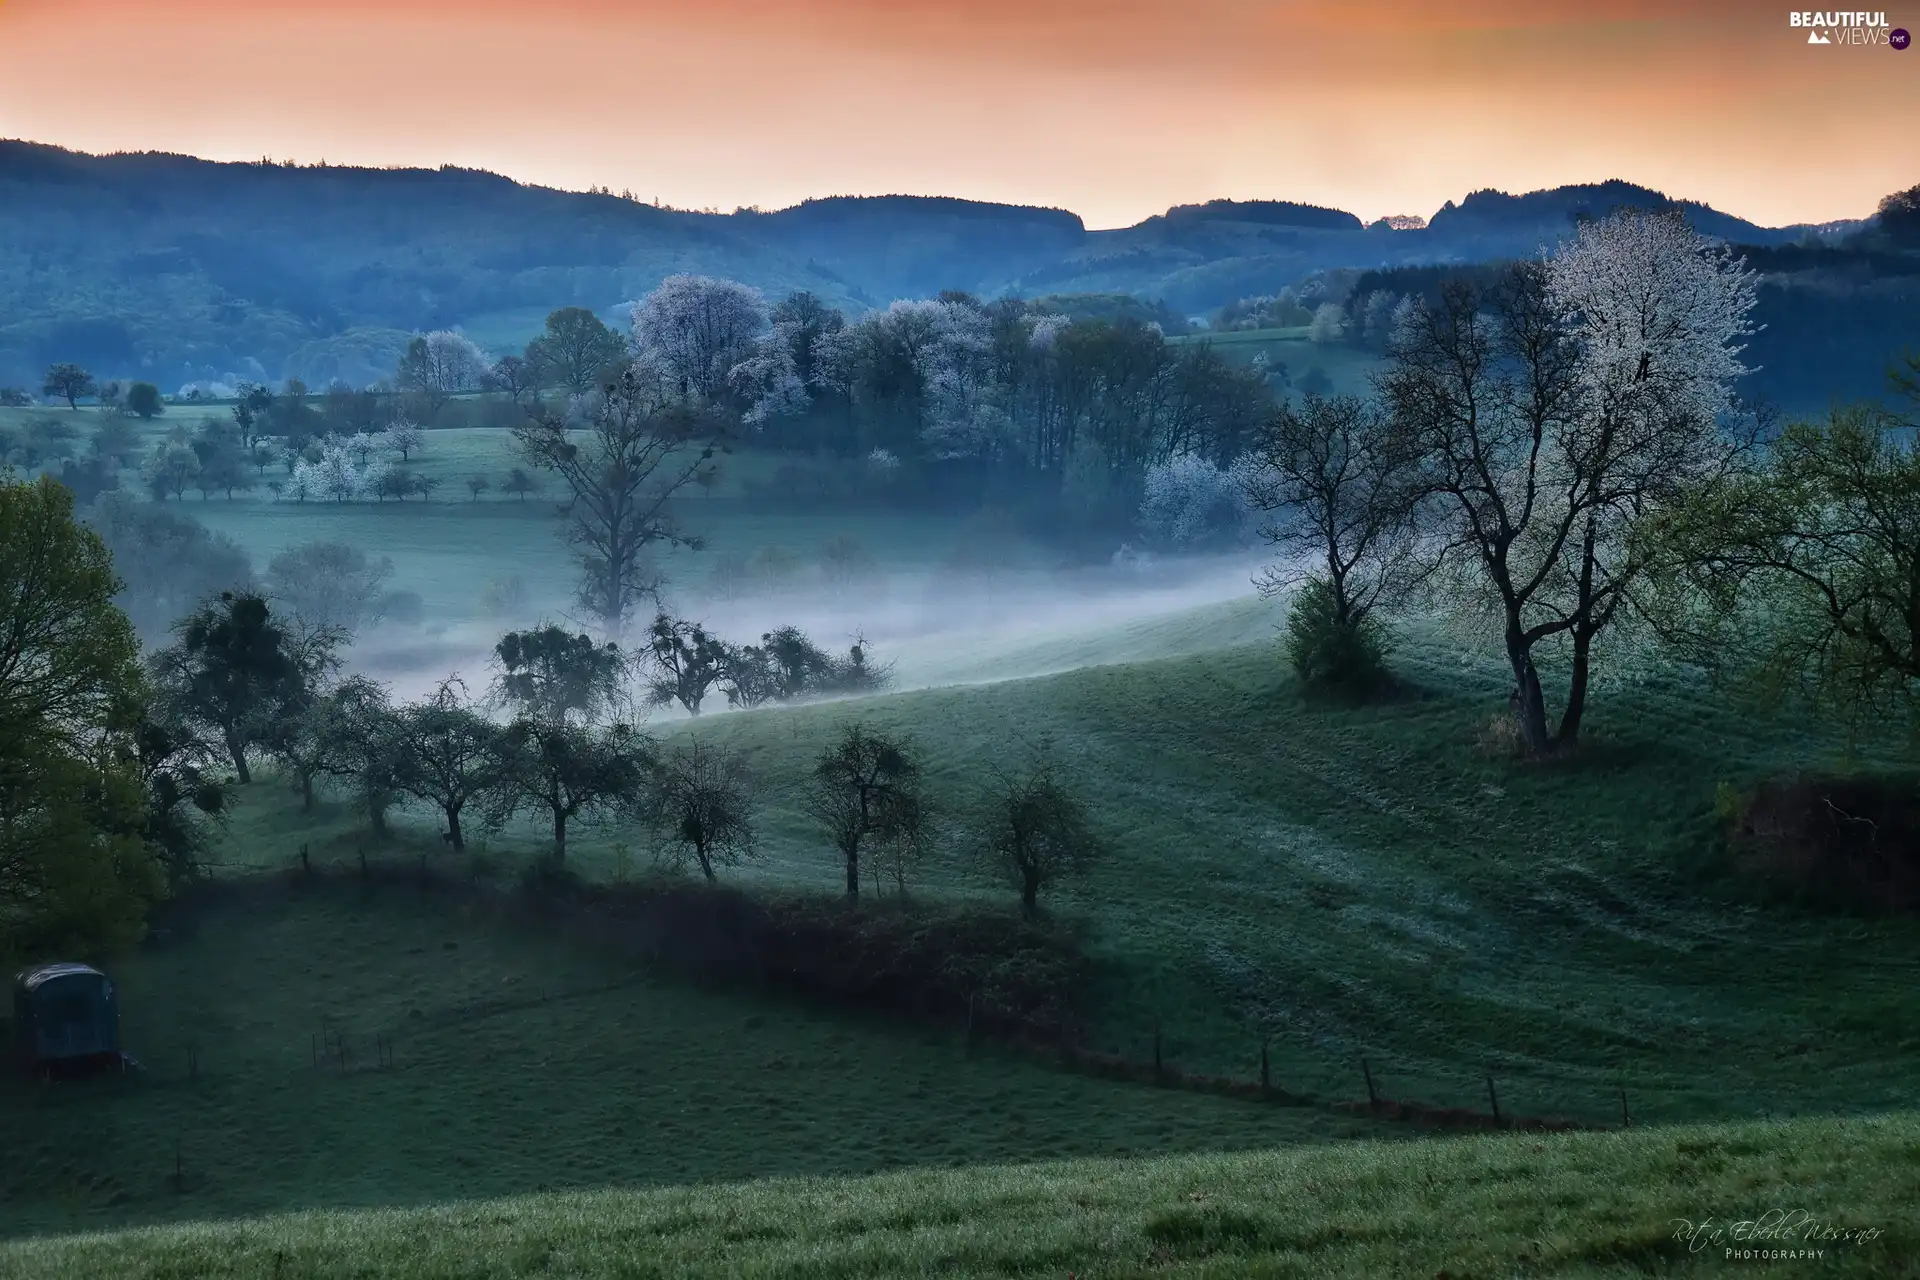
1331 653
1848 842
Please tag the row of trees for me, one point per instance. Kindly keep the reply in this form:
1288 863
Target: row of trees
1559 458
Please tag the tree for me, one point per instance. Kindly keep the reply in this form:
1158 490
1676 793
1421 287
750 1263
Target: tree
684 660
438 366
477 485
326 735
255 409
115 441
167 563
570 771
329 585
1037 829
171 469
520 484
515 375
640 450
1554 412
424 485
698 328
1342 492
1801 575
405 438
75 871
66 653
393 483
575 351
550 674
235 670
68 382
143 401
866 792
185 799
448 754
702 807
221 459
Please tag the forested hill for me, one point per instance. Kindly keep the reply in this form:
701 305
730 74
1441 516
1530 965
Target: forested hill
172 268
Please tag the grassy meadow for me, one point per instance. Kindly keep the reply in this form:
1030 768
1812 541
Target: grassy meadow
1337 883
1669 1202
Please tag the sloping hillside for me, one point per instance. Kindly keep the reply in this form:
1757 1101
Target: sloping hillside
172 268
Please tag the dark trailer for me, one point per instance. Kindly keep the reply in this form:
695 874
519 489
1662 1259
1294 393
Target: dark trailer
65 1015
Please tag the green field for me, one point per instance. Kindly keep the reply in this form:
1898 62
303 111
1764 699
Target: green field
1337 883
1665 1202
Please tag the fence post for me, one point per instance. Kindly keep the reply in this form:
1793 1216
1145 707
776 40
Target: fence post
1494 1098
1266 1080
1626 1117
1158 1074
1373 1096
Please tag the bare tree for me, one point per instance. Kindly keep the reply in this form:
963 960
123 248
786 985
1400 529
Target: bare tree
446 753
1037 829
866 793
1342 491
568 772
640 449
702 808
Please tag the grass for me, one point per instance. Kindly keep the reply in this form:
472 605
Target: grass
1666 1202
519 1063
1351 883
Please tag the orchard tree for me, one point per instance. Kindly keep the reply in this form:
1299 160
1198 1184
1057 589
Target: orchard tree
698 328
443 751
235 670
865 793
702 808
684 662
565 771
640 449
168 562
1554 412
68 382
549 675
405 438
576 351
1037 829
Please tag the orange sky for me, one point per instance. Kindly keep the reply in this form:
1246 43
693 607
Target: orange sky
1115 109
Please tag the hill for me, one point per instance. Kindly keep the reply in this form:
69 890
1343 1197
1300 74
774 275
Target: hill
1676 1202
172 268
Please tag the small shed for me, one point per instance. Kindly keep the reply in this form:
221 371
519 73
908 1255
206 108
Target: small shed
65 1015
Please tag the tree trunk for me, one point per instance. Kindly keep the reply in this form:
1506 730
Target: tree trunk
453 828
239 754
1029 891
559 835
853 874
1576 691
1529 705
306 793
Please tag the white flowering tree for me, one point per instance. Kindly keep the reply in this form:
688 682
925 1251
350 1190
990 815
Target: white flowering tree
1555 412
698 329
438 366
1329 323
404 437
1190 503
341 471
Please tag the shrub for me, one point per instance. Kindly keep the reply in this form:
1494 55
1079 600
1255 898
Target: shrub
1331 652
1850 842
